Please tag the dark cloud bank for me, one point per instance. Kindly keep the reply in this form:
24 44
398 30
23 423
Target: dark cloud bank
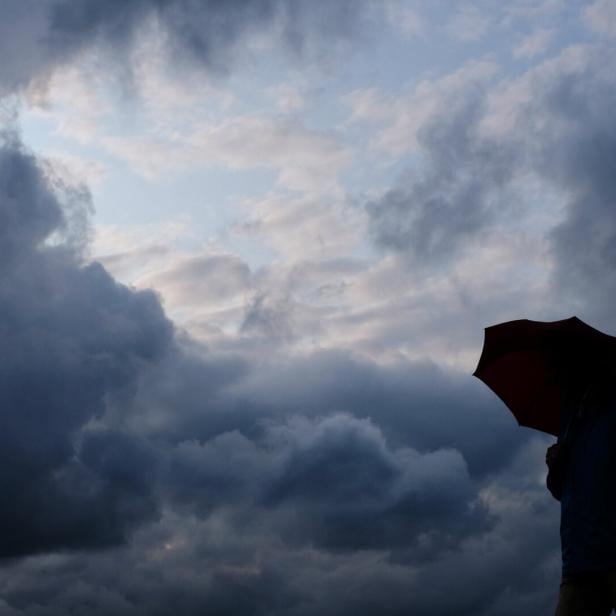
72 338
143 474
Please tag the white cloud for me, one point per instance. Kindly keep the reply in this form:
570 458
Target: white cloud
305 159
534 44
469 23
391 310
317 292
531 9
403 115
90 171
131 253
511 97
306 227
601 17
203 281
407 20
288 98
74 99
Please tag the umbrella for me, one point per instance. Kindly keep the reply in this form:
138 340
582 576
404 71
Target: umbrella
535 366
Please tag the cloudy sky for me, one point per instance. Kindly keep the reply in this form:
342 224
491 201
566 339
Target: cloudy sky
247 252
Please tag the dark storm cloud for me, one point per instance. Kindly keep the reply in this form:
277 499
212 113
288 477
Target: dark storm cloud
204 434
115 429
329 450
202 567
252 488
72 339
332 482
416 404
38 36
354 492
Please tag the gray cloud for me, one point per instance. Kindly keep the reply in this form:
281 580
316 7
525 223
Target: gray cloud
561 136
269 317
417 405
576 143
186 465
40 36
124 433
353 492
134 422
332 482
72 339
194 565
459 190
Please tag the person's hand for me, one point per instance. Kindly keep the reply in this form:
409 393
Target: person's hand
552 455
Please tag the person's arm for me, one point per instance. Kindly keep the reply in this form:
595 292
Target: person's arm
555 460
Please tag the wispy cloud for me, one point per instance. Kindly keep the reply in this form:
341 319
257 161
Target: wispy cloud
469 23
304 158
601 17
534 44
408 20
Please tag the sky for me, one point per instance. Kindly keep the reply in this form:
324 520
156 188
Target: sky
248 250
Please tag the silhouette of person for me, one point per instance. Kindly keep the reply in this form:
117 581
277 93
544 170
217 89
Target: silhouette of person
582 476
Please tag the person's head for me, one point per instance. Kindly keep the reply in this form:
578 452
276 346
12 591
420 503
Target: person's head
591 370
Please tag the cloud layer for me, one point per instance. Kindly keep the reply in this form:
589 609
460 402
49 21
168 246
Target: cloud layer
550 127
147 472
41 36
116 426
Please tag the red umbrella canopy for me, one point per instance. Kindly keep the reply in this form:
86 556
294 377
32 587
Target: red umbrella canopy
535 366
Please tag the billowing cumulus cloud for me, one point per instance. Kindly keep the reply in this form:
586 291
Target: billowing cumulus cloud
355 494
332 482
109 420
232 569
73 339
112 422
